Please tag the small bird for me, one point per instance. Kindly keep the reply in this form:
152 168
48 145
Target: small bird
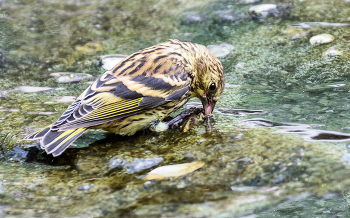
138 93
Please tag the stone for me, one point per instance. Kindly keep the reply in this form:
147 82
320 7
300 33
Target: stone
322 39
109 61
176 170
115 163
84 187
228 16
3 94
69 79
221 50
30 89
311 24
346 158
260 12
248 1
332 52
192 17
140 164
2 58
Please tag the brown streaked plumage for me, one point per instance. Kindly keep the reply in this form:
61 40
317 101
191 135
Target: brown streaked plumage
144 88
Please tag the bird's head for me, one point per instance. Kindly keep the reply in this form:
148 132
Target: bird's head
208 79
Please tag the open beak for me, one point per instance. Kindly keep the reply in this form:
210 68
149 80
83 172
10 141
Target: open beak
208 105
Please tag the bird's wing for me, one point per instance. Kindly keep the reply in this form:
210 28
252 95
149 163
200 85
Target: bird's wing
111 97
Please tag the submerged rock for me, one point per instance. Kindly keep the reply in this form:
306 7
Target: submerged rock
140 164
248 1
322 39
311 24
18 154
192 17
109 61
115 163
221 50
296 33
29 89
227 16
68 77
2 58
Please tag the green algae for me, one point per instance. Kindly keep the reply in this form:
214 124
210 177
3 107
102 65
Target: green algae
247 171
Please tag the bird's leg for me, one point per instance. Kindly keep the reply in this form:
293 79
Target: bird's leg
185 115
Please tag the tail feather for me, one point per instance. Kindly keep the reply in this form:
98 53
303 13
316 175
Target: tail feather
60 141
56 142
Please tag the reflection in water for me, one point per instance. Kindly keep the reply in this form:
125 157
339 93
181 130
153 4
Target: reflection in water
309 134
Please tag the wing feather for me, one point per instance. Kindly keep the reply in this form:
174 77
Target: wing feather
142 81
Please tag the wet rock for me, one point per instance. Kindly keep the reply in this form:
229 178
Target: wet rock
227 16
115 163
322 39
68 77
260 12
312 24
332 52
191 17
3 94
279 179
140 164
30 89
109 61
173 171
2 58
84 187
222 50
248 1
346 158
29 153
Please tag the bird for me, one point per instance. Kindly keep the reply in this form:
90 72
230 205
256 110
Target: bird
138 93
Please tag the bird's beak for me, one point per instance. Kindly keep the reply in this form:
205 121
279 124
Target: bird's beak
208 105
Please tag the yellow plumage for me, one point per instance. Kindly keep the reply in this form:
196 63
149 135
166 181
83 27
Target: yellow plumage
140 91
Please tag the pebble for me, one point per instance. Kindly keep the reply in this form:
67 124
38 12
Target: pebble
68 77
322 39
222 50
332 52
311 24
248 1
228 16
30 89
260 12
346 158
140 164
296 33
173 171
2 58
192 17
84 187
109 61
3 94
279 179
1 190
115 163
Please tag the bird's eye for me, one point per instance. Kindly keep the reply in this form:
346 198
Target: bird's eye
212 86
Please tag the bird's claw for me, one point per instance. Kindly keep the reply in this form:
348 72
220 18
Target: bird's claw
186 115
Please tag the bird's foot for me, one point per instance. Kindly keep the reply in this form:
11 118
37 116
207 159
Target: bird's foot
186 117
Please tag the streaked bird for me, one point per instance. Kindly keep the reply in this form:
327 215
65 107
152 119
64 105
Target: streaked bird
138 93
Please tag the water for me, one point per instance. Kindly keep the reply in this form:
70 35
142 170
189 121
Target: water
284 84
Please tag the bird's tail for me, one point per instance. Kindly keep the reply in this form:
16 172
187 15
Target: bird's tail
55 142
